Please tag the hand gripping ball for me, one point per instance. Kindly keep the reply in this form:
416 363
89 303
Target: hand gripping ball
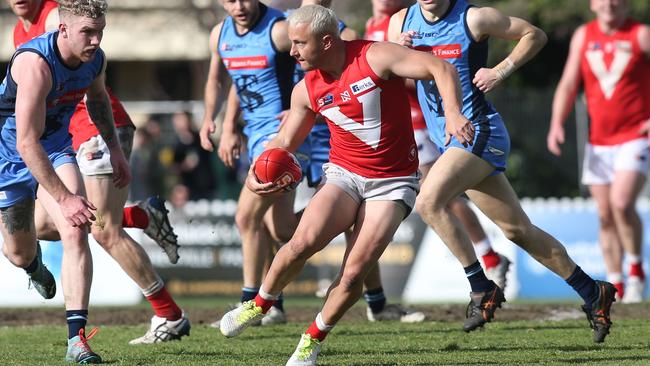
279 166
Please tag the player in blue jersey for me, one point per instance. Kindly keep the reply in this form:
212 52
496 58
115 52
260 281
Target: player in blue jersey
46 79
251 48
458 32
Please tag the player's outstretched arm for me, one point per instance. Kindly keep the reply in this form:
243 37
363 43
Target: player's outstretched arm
386 59
33 75
99 109
565 93
490 22
214 90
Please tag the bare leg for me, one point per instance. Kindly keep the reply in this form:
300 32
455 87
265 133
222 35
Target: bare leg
17 227
465 214
608 237
623 195
329 213
454 171
496 198
254 235
76 266
45 228
376 224
469 219
280 219
108 231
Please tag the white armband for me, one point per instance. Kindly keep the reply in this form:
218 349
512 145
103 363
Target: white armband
504 69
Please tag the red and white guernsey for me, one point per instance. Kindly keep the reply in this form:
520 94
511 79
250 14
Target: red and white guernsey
616 77
81 127
378 31
37 27
368 117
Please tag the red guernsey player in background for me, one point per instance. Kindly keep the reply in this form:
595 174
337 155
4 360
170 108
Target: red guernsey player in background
610 57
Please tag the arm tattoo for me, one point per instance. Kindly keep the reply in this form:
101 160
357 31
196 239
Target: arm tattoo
101 114
19 217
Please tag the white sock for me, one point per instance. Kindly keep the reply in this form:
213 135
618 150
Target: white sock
615 277
321 324
483 247
266 296
634 259
153 288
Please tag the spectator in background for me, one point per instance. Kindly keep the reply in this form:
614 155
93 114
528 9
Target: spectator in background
179 197
139 190
156 164
610 56
191 162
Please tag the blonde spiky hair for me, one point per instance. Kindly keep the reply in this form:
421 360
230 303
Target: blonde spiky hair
86 8
321 20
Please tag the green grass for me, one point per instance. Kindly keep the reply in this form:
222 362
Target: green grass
353 342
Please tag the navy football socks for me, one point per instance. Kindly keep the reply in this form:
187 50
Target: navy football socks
584 285
477 280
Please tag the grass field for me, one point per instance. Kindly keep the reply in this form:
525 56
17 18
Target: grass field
353 342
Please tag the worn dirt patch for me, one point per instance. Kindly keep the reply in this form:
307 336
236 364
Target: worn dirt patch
203 315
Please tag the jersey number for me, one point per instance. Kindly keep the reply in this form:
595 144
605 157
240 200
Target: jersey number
370 130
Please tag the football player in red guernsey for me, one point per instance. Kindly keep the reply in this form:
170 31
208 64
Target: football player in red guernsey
610 58
371 180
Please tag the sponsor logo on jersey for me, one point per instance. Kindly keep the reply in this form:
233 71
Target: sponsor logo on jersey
3 195
246 63
326 100
624 45
362 85
72 97
594 45
345 96
420 35
443 51
230 47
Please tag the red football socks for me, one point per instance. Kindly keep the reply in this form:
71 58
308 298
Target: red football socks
316 333
164 306
636 270
491 259
264 303
620 289
135 217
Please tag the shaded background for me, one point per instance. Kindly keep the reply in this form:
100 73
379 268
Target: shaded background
159 59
